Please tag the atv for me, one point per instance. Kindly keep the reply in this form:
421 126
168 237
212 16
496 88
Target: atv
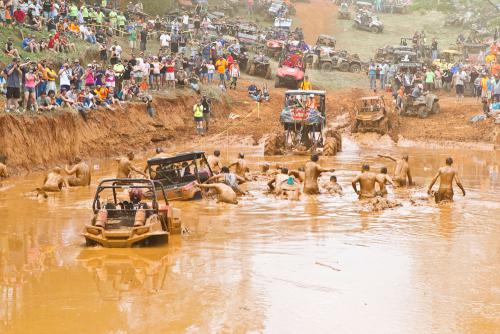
274 48
368 21
422 107
344 13
291 70
123 217
259 65
304 126
371 116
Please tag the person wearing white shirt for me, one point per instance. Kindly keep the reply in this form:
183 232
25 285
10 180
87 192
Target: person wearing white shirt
165 40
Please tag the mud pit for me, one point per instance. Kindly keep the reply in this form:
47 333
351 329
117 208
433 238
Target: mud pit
264 265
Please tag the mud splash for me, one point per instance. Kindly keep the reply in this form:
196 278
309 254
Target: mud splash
245 268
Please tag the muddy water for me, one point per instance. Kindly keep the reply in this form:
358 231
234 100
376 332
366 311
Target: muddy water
321 265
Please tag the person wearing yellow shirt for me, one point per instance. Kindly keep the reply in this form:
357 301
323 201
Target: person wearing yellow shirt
51 79
306 84
220 66
99 17
112 19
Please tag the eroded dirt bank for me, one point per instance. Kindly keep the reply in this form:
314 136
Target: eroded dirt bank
33 142
36 142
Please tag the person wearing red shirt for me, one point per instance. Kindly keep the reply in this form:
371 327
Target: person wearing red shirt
19 15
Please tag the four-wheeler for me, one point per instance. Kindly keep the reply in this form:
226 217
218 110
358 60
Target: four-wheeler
344 13
178 174
371 116
327 41
290 70
368 21
260 66
304 126
422 107
274 47
122 217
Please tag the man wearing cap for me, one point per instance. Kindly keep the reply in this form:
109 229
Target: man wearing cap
13 74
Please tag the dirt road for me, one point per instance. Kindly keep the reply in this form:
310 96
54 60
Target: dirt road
316 17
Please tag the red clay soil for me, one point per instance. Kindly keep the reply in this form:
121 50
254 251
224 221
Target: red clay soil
451 124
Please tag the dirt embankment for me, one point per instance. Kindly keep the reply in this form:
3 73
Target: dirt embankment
34 142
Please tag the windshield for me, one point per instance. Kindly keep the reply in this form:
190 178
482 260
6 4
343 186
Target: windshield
371 105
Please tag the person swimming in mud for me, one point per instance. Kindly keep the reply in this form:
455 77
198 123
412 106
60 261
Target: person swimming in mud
214 162
299 174
125 167
333 187
230 179
53 182
446 175
82 173
366 182
402 171
241 165
383 180
225 193
160 153
312 171
277 181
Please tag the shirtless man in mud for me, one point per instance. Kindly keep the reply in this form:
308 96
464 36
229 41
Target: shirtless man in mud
401 172
125 167
229 179
241 165
333 187
225 193
446 175
383 180
366 182
312 171
81 171
214 162
53 182
276 183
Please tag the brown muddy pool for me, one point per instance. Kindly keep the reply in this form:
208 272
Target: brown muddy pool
321 265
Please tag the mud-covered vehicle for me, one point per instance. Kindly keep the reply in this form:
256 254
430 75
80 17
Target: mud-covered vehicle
179 174
123 217
260 65
291 70
274 47
369 22
422 107
344 13
304 126
326 41
371 116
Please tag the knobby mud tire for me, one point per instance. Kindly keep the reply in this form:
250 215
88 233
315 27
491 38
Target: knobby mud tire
330 147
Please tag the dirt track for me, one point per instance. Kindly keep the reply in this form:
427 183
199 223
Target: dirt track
316 17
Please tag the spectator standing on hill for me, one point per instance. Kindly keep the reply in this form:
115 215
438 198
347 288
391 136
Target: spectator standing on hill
13 73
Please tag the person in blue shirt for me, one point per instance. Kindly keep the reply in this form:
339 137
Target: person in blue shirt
372 74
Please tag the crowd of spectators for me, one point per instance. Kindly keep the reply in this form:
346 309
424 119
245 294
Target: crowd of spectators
172 61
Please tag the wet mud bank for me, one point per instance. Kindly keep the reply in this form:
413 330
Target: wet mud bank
36 142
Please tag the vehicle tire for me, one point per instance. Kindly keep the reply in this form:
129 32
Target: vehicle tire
268 72
384 126
330 147
327 67
277 82
436 108
251 70
422 112
356 25
298 83
374 30
355 68
344 67
355 126
270 145
90 243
